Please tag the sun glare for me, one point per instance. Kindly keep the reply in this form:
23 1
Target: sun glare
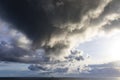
114 48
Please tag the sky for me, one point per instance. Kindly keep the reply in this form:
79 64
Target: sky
102 49
55 37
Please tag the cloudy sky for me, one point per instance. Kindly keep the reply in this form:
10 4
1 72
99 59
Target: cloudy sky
59 37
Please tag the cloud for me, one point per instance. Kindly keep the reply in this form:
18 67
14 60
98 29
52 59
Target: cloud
74 63
13 53
105 70
40 62
111 69
109 19
45 32
55 26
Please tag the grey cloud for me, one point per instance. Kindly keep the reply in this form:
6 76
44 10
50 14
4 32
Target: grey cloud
52 24
36 68
109 19
68 65
12 53
112 26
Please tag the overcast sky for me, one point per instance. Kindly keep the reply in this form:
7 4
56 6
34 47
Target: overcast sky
59 36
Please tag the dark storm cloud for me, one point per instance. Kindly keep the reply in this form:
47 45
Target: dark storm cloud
42 21
55 27
52 24
27 17
13 53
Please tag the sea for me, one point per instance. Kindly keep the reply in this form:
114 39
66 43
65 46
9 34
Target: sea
33 78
